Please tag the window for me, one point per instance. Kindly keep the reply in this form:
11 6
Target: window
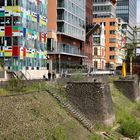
95 51
15 2
96 39
112 48
112 57
95 64
16 21
9 2
112 32
1 21
112 40
8 21
112 23
15 41
8 41
2 2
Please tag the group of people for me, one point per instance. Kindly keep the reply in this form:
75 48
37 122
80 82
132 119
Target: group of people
50 76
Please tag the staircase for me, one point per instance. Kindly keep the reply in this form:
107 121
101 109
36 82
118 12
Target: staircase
17 75
72 110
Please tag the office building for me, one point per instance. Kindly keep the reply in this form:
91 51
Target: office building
66 33
23 34
127 11
104 11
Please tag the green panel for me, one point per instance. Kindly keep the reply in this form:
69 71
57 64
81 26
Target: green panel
17 28
1 14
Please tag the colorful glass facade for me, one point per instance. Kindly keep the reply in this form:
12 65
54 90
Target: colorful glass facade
23 34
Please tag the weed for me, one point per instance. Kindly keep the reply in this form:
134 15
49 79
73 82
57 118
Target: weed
130 127
77 77
3 92
95 137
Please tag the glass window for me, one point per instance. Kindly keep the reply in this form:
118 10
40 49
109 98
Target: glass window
112 56
1 21
112 48
2 2
9 2
8 41
95 51
95 64
112 32
15 2
112 40
16 21
15 41
8 21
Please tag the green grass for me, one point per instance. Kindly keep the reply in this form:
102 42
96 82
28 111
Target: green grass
126 114
3 92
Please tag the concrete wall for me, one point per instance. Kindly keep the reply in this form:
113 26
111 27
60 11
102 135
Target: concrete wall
129 87
92 99
35 74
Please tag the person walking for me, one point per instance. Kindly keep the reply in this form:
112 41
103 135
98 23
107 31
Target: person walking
49 75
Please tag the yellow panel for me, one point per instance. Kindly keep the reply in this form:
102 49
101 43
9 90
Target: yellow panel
29 55
8 54
16 9
1 33
8 8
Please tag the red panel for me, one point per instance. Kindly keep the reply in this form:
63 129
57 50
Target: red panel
8 31
15 51
44 37
24 52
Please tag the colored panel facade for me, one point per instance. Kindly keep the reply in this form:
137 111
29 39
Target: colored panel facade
23 33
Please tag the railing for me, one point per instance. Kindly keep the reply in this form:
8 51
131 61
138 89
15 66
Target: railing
62 48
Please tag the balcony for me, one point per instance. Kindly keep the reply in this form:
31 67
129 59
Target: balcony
67 50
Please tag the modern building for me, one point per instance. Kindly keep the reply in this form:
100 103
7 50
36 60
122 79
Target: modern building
23 34
99 60
104 12
104 8
66 33
127 11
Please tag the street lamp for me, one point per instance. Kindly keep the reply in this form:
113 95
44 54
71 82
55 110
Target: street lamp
59 56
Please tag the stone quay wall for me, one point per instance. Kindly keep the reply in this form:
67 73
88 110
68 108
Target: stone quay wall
129 87
93 99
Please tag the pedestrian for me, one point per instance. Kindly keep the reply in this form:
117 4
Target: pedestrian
53 76
49 75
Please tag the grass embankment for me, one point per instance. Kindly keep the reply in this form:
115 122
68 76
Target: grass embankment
127 114
37 116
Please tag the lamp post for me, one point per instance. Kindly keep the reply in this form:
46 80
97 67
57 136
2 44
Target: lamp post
59 56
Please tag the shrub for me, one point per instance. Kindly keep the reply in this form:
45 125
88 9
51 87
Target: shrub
15 85
130 127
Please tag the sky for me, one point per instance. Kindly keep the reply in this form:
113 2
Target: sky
138 11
